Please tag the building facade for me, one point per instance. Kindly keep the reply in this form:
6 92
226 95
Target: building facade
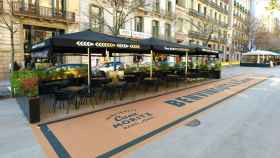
203 22
218 24
240 21
36 20
154 18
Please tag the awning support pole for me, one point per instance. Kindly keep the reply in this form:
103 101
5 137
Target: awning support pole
89 68
186 71
151 65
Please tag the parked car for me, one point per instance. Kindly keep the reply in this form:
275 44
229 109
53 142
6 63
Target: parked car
110 66
65 71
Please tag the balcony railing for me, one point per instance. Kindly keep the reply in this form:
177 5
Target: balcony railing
33 11
215 5
167 14
196 13
199 35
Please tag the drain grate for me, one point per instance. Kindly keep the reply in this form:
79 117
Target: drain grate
193 123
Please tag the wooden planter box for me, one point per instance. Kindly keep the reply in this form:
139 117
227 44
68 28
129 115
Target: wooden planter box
30 107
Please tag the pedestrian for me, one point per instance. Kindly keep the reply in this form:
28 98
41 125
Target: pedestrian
16 66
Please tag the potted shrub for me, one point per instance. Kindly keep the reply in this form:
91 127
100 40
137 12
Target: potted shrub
215 71
25 87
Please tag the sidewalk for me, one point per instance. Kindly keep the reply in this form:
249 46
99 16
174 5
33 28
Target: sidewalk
16 137
114 132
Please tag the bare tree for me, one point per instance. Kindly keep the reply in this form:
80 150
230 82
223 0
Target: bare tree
267 40
251 26
10 23
273 5
207 30
120 10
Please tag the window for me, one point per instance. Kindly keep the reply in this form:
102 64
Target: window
59 7
96 18
169 7
179 25
199 8
167 31
215 15
205 11
155 29
139 24
181 3
156 6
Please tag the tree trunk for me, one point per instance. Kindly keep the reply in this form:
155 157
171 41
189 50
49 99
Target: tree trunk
13 51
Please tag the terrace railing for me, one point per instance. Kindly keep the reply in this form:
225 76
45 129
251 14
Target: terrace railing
40 12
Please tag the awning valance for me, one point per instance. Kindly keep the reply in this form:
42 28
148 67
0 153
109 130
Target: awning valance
163 46
78 43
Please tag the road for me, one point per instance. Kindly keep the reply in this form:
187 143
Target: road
244 126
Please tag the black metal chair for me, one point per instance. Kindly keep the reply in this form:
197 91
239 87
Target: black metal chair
113 89
85 96
62 98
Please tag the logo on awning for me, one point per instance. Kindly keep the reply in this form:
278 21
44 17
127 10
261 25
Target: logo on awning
84 43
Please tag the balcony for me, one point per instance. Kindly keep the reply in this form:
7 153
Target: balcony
180 36
239 18
42 13
223 24
198 35
168 14
215 5
195 13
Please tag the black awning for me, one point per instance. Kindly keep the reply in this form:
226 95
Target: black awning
202 50
163 46
78 43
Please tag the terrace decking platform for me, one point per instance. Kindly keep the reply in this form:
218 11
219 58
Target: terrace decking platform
119 130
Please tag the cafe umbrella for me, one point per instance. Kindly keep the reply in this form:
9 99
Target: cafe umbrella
164 47
85 43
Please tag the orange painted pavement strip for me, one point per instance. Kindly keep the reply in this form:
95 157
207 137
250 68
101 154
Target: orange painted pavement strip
98 133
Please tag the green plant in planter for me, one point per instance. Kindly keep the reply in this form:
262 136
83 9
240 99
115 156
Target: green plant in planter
25 83
203 67
164 67
217 66
130 69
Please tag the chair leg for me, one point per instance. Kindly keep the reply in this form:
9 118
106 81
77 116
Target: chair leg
54 105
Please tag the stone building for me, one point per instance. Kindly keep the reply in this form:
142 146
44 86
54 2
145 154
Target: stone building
239 27
37 20
203 22
156 18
